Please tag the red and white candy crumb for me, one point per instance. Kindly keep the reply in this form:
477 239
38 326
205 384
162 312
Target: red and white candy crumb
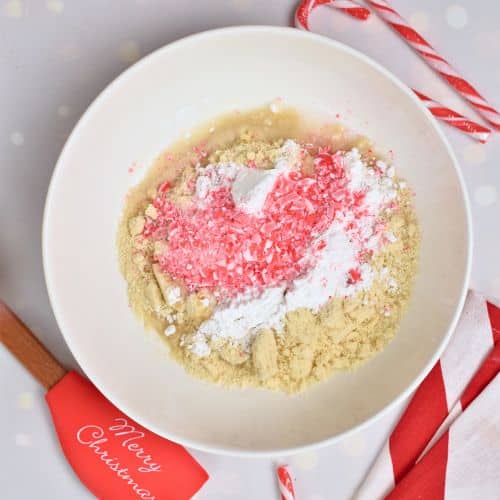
270 241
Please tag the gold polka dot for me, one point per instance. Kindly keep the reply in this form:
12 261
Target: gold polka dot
55 6
13 9
25 400
474 154
129 51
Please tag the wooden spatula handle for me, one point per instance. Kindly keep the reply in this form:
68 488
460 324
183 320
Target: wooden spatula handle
23 344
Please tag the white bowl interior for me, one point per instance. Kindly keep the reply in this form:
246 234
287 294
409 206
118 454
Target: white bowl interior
135 118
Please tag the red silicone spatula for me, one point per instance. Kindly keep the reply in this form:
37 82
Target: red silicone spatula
114 457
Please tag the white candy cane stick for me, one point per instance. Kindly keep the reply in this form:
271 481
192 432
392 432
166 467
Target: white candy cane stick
455 119
305 7
433 59
285 483
472 129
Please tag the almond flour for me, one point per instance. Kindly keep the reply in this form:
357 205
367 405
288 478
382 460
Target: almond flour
331 318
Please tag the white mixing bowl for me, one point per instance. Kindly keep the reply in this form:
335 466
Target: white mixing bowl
135 118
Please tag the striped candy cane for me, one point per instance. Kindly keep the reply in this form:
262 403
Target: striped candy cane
455 119
433 59
347 6
472 129
285 483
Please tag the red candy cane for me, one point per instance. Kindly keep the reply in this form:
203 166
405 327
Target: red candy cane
285 483
472 129
347 6
455 119
433 59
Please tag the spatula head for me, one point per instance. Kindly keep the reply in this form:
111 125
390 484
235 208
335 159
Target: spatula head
114 457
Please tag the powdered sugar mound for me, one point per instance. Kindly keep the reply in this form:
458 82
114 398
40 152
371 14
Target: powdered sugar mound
241 318
251 187
330 275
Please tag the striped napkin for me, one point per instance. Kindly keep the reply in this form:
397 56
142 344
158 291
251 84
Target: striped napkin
447 443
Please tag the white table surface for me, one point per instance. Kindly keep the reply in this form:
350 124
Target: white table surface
55 57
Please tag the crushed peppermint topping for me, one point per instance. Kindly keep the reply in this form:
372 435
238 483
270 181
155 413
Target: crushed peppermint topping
214 244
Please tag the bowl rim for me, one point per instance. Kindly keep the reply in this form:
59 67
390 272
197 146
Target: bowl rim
225 450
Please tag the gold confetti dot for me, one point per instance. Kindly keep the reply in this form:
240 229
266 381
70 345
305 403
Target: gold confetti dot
129 51
25 401
55 6
13 9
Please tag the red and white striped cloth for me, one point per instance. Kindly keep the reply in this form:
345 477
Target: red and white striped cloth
447 442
